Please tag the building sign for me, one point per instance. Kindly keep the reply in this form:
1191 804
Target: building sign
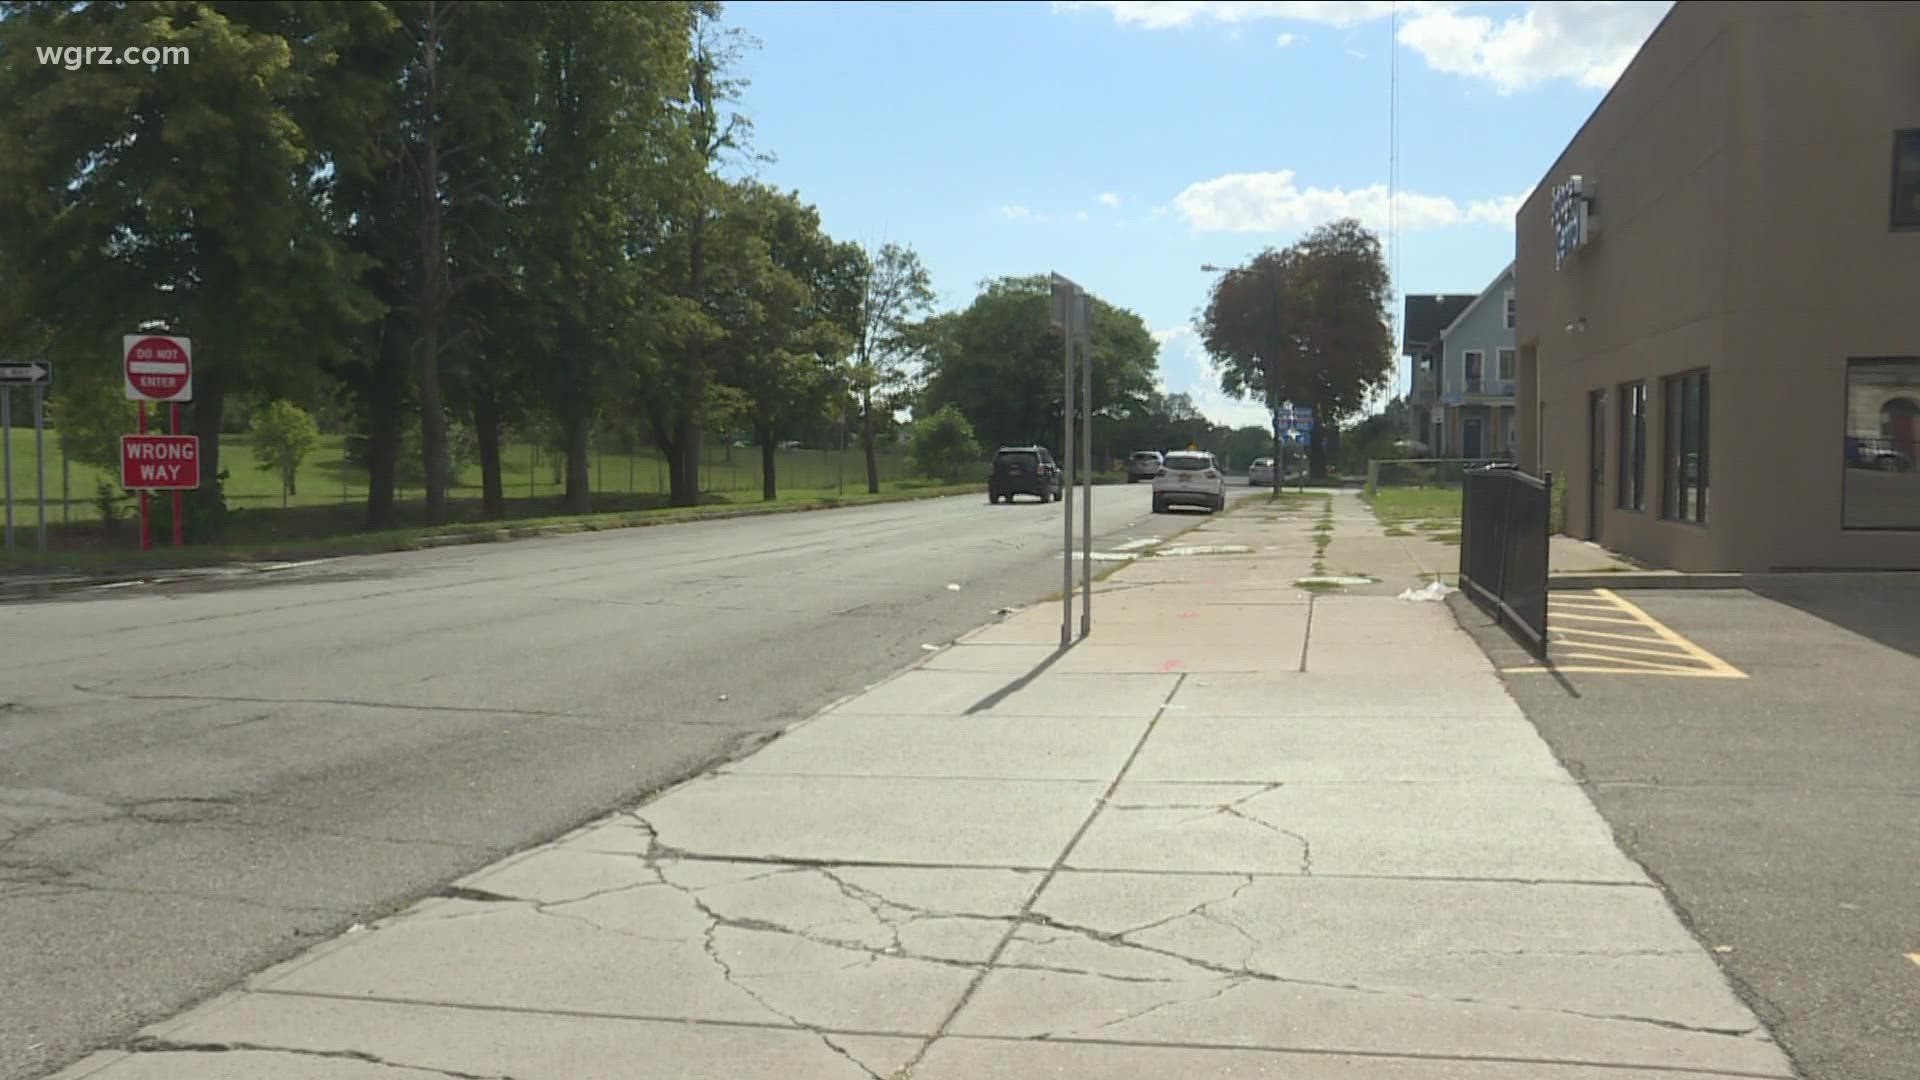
1572 218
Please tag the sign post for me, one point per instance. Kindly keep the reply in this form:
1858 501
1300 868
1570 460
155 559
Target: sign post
1070 318
158 368
34 374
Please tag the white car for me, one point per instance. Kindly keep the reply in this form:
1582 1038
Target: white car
1189 478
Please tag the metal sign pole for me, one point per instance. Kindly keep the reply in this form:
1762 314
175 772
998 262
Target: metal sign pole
40 459
6 441
1086 464
1066 483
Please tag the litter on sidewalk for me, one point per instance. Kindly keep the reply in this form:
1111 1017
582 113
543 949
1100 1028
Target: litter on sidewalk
1435 591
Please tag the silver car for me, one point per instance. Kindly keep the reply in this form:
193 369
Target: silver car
1260 473
1143 465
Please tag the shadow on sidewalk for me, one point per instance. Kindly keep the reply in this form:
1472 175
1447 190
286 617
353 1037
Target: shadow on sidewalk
987 704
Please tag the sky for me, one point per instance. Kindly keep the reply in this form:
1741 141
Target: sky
1126 144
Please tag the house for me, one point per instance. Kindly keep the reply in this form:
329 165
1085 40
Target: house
1719 339
1478 362
1426 315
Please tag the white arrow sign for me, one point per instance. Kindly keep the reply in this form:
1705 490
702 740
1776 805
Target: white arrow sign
27 373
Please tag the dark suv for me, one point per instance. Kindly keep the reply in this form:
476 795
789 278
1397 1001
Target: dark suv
1023 470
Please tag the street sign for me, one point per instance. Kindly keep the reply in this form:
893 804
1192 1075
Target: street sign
156 462
25 373
158 368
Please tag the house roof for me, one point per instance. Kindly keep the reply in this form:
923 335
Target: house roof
1492 286
1428 314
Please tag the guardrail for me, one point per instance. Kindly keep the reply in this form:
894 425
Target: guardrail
1504 530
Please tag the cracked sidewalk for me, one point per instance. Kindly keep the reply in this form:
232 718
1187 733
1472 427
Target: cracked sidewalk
1242 830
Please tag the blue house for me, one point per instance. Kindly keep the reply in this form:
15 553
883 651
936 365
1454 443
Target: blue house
1473 417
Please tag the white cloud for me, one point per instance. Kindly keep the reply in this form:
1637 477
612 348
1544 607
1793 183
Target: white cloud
1586 42
1169 14
1274 202
1108 199
1158 213
1170 333
1286 40
1356 54
1018 213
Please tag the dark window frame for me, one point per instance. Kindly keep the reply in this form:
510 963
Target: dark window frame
1686 398
1632 488
1899 220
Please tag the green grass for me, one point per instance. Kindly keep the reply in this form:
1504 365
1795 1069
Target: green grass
326 478
278 534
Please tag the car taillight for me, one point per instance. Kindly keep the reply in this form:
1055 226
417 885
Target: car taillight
1162 471
1211 475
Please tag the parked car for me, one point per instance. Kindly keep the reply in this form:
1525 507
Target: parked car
1190 478
1260 473
1144 465
1024 470
1877 454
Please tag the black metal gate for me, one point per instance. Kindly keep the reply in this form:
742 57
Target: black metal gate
1503 548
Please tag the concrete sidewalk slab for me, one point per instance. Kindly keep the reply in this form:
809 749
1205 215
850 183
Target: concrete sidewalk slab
1467 695
1539 831
988 746
1005 823
1014 862
1340 749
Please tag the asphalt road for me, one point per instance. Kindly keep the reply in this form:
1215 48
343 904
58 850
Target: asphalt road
1781 812
201 779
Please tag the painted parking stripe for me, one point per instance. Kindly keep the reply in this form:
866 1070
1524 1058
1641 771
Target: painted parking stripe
1914 956
1638 644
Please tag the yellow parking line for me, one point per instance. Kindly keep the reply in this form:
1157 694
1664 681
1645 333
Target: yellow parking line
1608 634
1631 664
1609 647
1914 956
1575 669
1600 619
1706 658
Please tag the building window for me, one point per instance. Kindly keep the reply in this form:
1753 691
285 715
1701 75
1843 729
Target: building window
1906 179
1475 361
1633 446
1506 364
1512 313
1685 399
1880 486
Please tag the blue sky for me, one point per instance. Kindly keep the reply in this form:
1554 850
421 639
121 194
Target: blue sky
1125 144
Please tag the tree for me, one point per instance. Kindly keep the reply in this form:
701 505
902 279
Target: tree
109 224
283 435
1305 324
999 361
896 292
943 446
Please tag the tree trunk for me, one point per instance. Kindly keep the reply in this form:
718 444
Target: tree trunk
867 443
486 429
579 476
293 483
763 434
433 283
684 464
208 502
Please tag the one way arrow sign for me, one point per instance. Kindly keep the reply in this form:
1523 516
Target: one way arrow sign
25 373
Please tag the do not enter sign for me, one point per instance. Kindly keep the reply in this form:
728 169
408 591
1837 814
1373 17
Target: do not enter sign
158 368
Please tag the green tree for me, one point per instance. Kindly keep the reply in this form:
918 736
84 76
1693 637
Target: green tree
1305 324
943 446
896 292
174 198
283 435
998 361
89 416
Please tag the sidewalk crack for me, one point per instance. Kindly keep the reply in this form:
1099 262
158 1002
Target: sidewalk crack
150 1045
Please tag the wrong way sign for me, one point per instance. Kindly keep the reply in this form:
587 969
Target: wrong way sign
159 462
157 368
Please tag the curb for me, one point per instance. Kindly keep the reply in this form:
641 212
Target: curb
1633 579
40 589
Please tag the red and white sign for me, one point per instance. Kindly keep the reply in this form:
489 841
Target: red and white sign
158 368
153 462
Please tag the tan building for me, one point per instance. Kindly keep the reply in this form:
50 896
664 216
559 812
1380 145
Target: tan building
1718 293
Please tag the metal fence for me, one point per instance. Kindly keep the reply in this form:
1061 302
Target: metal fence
1504 530
1421 472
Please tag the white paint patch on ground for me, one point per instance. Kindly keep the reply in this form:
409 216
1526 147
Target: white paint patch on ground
1208 549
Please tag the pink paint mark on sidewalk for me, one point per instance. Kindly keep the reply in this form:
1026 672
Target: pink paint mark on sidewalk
1173 665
